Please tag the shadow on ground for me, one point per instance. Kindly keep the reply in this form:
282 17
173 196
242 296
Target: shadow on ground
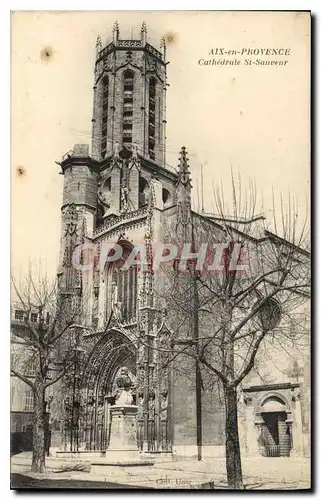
20 482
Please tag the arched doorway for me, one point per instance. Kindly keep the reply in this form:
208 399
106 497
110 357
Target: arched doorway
276 432
112 351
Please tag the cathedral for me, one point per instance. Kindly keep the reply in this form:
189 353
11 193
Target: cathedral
123 192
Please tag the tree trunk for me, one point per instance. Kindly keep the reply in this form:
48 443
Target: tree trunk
232 446
38 455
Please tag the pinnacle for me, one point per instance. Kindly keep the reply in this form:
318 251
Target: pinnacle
183 159
98 41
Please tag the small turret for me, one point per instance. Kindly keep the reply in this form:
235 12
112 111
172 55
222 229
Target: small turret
80 177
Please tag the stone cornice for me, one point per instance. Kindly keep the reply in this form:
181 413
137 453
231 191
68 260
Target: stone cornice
129 45
271 387
127 219
71 160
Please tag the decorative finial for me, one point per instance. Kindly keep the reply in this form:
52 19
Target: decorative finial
184 173
115 31
143 32
98 41
98 44
183 159
163 47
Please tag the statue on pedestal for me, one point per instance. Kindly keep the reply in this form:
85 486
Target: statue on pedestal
123 427
124 384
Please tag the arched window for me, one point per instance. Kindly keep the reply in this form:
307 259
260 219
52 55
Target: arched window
151 117
167 199
128 93
143 191
104 116
121 288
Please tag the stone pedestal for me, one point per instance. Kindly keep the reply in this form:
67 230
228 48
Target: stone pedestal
123 431
122 450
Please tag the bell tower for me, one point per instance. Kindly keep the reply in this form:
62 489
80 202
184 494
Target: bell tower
129 125
129 97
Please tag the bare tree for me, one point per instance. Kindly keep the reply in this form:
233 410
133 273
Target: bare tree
225 312
44 343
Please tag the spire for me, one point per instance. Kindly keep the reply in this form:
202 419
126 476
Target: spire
115 32
98 44
163 48
183 172
183 190
143 32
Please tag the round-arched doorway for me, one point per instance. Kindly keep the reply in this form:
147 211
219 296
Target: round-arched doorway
275 437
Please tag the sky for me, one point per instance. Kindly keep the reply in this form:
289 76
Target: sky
252 120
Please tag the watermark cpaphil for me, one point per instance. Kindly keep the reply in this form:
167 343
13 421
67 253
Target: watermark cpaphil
207 258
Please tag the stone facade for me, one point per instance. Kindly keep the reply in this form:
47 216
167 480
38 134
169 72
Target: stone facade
124 193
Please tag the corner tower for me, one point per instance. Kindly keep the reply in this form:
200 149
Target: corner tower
129 97
78 210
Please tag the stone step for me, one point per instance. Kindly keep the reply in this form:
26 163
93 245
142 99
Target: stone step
158 457
87 456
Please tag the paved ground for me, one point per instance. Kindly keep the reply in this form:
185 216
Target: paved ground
258 473
20 481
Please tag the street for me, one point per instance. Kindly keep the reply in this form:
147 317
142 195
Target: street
19 481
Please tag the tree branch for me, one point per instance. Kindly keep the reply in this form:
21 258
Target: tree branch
250 365
58 377
23 378
211 368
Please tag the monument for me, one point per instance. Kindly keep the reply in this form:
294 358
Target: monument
122 449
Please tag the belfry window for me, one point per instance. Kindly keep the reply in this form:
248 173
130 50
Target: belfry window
151 118
104 116
128 94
